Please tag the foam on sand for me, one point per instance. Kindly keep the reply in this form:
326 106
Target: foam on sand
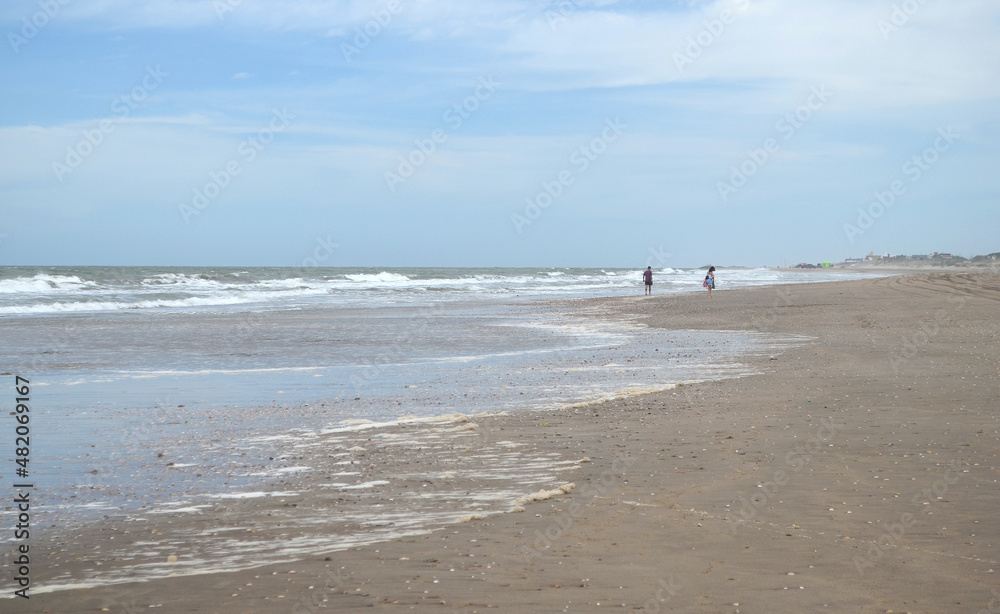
544 495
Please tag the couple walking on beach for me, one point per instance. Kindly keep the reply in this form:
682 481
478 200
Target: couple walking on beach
647 278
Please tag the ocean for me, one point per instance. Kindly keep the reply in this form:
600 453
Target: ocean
61 290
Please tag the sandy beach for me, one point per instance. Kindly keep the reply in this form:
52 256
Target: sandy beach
857 471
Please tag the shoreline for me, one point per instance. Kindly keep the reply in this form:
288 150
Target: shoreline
216 431
693 498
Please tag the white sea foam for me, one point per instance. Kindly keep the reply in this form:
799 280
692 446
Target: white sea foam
383 277
191 509
96 289
370 484
252 495
45 284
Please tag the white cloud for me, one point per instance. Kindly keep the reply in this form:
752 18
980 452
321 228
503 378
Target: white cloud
943 53
321 15
757 67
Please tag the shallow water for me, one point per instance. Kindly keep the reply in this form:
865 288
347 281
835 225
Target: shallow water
134 408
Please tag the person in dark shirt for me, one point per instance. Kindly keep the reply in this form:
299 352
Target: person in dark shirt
647 277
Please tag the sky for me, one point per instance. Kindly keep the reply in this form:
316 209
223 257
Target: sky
590 133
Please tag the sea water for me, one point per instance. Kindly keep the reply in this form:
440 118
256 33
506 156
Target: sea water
132 367
57 290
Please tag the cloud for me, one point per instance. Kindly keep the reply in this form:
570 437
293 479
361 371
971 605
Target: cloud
277 15
943 53
241 75
873 56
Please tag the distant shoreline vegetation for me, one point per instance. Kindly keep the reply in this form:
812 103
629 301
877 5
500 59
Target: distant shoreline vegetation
935 259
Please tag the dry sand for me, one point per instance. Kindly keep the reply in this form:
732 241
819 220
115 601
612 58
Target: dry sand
855 473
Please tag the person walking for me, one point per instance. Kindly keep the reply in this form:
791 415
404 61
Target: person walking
647 278
710 280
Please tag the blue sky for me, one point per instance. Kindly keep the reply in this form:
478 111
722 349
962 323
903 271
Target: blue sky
496 133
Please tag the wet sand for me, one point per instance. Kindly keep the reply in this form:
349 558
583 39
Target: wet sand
855 473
